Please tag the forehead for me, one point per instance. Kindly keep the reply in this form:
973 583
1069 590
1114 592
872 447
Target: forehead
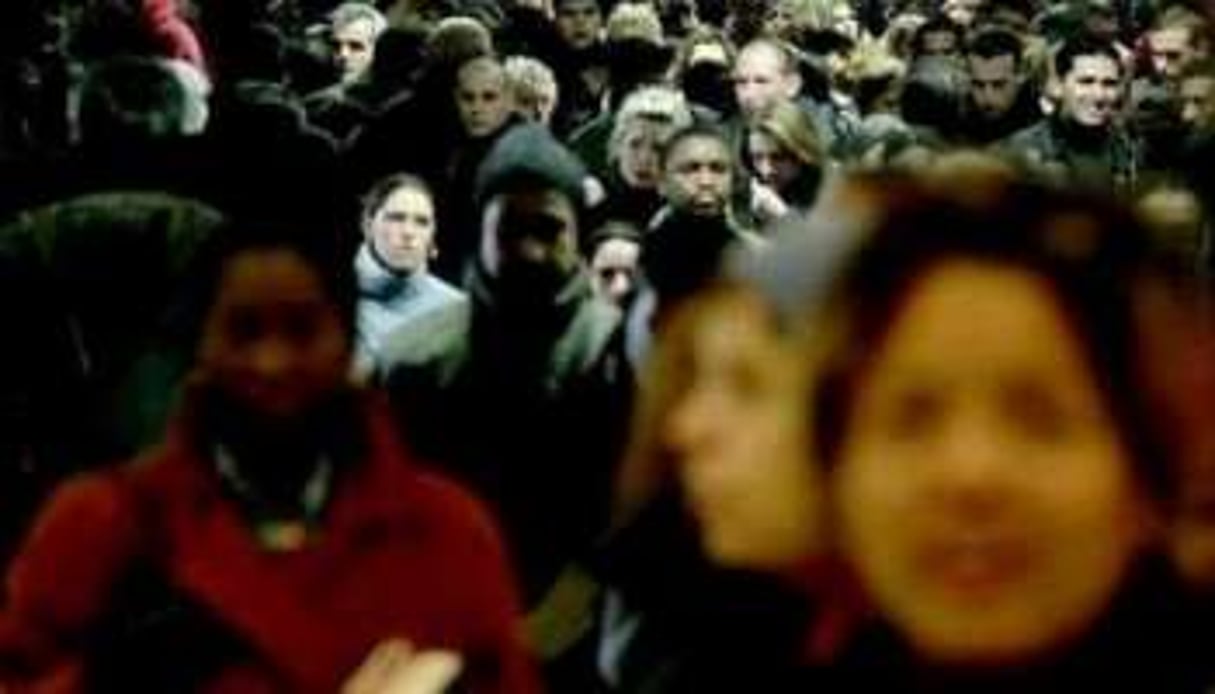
1094 65
1169 37
482 75
761 58
697 148
617 252
264 276
407 197
578 7
535 201
991 68
359 30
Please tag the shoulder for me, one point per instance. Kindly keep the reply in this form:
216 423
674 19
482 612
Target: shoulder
433 336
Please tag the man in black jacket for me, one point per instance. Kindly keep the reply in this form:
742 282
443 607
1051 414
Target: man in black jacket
520 391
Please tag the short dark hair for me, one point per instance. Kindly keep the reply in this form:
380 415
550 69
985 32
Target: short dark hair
1082 45
378 194
993 42
316 243
937 23
706 130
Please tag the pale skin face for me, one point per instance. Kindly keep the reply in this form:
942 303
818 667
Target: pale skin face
1171 51
738 435
273 340
761 79
698 176
354 48
1197 96
775 166
639 155
579 23
614 268
984 495
482 97
993 84
1091 91
402 230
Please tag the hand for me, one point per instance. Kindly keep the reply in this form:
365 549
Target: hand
766 203
395 667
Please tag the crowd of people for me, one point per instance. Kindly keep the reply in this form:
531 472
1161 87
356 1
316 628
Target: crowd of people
652 346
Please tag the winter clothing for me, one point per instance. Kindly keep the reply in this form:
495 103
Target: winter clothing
150 578
526 406
389 300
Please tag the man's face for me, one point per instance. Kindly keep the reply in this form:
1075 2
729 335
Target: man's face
481 98
353 48
1171 51
761 80
993 84
1091 90
1197 95
579 22
697 177
529 238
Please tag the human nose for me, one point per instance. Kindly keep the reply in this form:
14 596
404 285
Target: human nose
971 460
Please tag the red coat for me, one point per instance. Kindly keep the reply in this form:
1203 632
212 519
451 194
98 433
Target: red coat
402 553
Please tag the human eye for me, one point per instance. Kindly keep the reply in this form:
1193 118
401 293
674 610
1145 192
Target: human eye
911 412
1039 413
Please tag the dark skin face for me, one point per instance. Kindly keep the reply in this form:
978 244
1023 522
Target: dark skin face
274 343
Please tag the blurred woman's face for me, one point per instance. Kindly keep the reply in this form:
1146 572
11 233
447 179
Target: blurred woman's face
274 342
738 434
639 157
774 165
985 497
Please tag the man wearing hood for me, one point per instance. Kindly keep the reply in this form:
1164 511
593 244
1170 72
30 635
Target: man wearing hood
521 391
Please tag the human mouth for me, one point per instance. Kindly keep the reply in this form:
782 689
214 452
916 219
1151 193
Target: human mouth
974 568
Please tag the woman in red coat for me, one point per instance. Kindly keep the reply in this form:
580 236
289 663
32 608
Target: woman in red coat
277 538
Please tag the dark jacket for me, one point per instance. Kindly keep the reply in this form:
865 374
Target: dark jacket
528 409
1065 153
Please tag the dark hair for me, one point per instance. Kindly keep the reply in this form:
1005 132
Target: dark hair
938 23
1093 255
317 245
380 191
706 130
993 42
1081 45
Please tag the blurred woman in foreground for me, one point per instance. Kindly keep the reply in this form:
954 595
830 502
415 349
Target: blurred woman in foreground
998 474
280 538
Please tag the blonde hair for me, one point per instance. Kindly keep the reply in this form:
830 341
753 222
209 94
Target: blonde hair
653 104
794 130
637 21
529 79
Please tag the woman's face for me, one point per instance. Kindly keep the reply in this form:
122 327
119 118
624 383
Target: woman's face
774 166
738 435
639 163
984 495
402 229
274 342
